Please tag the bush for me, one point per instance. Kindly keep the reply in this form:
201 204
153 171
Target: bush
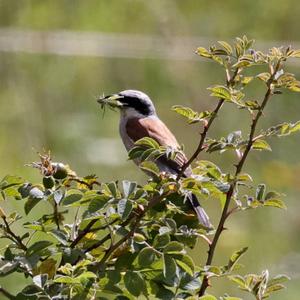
125 240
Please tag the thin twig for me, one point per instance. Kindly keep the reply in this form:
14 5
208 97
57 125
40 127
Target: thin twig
55 211
83 233
15 238
239 166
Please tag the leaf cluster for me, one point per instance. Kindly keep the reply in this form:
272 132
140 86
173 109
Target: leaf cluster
125 240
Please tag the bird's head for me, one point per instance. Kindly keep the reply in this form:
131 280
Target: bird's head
130 102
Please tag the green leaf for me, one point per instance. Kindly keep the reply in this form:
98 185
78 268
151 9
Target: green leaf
37 247
208 297
160 292
30 204
238 279
31 290
221 92
35 196
150 168
203 52
173 247
128 187
113 189
226 46
264 76
98 203
278 203
124 208
146 257
186 263
160 241
247 79
192 116
148 142
85 276
244 177
260 191
169 270
134 283
71 199
279 279
60 235
260 144
66 280
235 257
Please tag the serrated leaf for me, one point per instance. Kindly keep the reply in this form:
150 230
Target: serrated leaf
150 167
220 92
191 115
148 142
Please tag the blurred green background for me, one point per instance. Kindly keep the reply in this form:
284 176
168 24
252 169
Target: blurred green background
57 55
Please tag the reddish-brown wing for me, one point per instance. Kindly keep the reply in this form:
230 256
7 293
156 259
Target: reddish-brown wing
138 128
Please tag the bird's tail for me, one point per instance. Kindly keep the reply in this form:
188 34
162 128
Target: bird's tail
201 214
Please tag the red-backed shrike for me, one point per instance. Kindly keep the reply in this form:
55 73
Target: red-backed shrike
138 120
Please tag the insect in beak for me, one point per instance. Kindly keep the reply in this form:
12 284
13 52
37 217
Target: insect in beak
110 101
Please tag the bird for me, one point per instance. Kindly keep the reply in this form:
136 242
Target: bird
138 119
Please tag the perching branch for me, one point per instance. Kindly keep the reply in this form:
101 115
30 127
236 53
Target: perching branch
239 167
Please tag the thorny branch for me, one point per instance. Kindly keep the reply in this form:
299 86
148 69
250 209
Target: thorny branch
239 166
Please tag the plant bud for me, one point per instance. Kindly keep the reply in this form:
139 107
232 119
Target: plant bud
60 172
48 182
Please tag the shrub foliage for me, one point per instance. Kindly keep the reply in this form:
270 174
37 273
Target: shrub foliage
122 240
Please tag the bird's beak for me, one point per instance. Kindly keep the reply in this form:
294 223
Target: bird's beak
112 101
